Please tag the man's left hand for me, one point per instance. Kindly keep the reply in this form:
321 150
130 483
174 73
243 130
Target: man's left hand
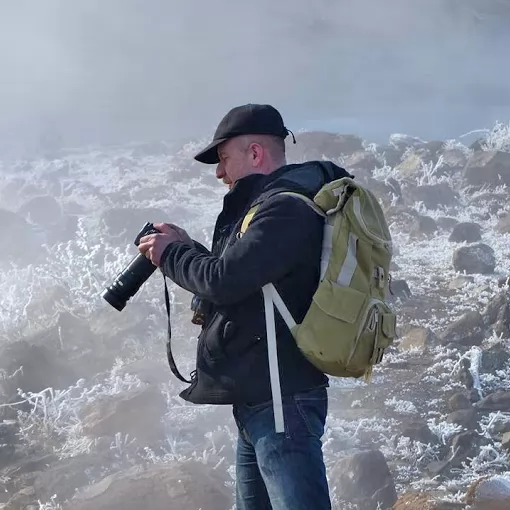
153 245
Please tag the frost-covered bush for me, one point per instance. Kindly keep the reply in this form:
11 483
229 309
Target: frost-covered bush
53 424
498 138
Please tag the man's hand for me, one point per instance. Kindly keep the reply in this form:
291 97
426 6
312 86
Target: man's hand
153 245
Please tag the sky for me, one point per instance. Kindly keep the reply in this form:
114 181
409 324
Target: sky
110 71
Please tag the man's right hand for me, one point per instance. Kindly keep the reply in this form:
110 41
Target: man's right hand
183 235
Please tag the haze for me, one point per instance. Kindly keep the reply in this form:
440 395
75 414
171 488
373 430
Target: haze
111 71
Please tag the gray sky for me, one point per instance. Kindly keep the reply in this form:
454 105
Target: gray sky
86 71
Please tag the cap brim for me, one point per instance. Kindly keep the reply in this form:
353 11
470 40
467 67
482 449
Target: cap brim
209 155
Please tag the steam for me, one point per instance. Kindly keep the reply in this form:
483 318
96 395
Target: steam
74 73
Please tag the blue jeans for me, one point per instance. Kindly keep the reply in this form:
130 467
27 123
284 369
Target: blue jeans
282 471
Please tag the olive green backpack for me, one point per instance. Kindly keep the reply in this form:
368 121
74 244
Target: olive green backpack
349 323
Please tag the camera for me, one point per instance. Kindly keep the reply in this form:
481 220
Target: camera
133 276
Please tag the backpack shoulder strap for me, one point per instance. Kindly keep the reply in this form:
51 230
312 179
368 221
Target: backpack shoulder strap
251 213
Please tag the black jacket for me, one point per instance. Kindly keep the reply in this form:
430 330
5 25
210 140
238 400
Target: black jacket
282 245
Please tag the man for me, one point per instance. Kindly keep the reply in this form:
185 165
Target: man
282 245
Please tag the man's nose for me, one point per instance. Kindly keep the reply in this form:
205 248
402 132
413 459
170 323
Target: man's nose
220 173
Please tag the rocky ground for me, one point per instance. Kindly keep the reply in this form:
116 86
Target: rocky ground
89 416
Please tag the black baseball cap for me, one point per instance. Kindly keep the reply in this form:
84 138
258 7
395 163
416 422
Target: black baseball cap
248 119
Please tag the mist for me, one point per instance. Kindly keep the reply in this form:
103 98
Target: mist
96 72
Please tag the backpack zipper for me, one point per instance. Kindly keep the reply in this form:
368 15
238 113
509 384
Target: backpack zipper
367 323
357 213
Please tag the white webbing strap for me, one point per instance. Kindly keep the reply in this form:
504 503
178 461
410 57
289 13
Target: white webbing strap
327 248
272 352
281 307
350 263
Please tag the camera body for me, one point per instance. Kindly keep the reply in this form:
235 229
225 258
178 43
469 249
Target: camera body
133 276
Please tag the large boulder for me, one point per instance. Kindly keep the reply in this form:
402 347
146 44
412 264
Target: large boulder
22 243
187 485
497 401
125 223
497 313
432 196
474 259
421 338
503 226
423 501
319 145
467 232
42 210
362 163
468 330
487 168
32 368
137 414
489 493
365 479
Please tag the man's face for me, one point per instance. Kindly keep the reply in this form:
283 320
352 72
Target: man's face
234 162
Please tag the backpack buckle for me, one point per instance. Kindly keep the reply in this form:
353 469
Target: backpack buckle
380 276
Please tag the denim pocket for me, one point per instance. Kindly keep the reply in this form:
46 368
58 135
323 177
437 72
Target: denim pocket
312 408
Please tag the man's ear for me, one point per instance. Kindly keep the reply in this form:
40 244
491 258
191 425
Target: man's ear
256 152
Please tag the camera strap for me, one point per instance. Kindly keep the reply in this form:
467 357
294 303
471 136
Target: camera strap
171 361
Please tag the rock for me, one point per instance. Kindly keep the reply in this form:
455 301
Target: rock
453 159
125 223
137 413
28 241
505 441
32 368
401 141
498 302
503 226
500 425
489 493
497 314
465 232
400 288
497 401
66 476
421 501
42 210
467 418
419 338
22 499
490 168
473 393
152 148
473 259
362 163
446 223
8 441
424 226
460 281
469 330
147 370
317 145
365 479
419 431
464 374
186 485
459 401
464 447
412 166
494 358
432 196
504 282
383 191
400 214
390 155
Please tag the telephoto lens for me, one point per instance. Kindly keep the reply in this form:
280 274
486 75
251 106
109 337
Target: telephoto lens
132 277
